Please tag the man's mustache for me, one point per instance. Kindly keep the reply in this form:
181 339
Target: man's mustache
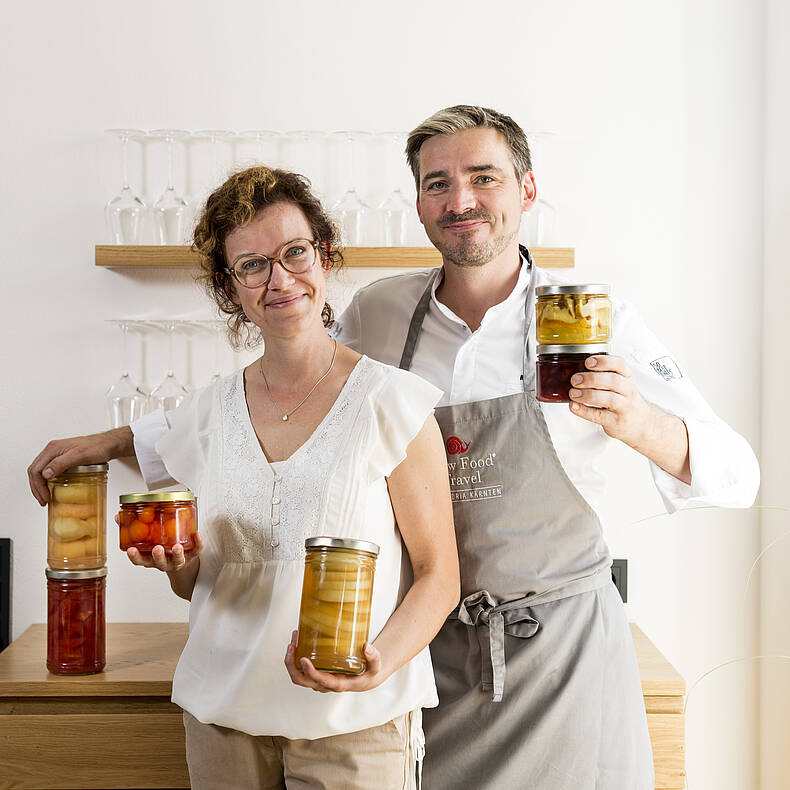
468 216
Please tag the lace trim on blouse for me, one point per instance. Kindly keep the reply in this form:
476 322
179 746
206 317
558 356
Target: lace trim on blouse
267 511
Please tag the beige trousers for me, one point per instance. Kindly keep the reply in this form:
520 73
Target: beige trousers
379 758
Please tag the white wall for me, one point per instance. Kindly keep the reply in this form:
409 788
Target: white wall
661 104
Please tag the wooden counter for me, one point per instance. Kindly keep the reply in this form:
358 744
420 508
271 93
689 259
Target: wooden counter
118 729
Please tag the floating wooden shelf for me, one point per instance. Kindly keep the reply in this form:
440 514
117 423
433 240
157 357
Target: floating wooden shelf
181 257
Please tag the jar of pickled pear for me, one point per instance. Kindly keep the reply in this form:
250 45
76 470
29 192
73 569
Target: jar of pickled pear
555 366
75 621
334 618
567 314
77 513
158 518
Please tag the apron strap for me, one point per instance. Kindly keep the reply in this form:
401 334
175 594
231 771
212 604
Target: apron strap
416 322
514 618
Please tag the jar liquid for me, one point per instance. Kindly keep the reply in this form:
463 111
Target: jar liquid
334 618
554 371
75 621
573 318
76 518
158 519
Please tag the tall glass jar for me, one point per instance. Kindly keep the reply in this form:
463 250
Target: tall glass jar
566 314
334 619
77 515
158 518
75 621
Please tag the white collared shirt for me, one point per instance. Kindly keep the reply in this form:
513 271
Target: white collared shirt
487 363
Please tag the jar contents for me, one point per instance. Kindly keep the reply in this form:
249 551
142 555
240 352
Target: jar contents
573 314
75 621
163 518
76 530
556 364
334 618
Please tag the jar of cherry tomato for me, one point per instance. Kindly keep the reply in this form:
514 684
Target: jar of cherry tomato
556 364
77 512
159 518
334 617
75 621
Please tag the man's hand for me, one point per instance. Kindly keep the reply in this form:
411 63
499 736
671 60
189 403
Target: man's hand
607 395
61 454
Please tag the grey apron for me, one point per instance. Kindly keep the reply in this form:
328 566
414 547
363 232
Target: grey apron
536 672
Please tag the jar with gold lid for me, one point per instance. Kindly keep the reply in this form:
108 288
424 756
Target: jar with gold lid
158 518
555 366
76 621
566 314
76 518
334 618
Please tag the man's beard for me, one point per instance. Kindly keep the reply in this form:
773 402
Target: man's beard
467 252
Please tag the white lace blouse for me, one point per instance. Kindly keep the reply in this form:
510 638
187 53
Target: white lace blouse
255 516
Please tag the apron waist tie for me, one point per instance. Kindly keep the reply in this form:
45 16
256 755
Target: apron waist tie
514 618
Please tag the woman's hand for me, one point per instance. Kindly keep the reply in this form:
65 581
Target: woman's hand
308 676
177 562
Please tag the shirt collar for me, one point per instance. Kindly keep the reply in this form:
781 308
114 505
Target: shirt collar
516 295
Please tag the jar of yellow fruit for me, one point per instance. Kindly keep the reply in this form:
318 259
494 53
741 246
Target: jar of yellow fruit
76 534
334 618
571 314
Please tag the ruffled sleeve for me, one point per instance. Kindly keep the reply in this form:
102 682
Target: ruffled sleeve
184 449
400 405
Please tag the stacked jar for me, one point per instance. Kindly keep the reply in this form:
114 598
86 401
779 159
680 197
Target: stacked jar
76 576
572 322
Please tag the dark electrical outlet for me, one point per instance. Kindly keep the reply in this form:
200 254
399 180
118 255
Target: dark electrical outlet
620 578
5 592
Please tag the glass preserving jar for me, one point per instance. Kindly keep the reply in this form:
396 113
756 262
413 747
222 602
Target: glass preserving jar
158 518
556 364
77 518
334 618
567 314
75 621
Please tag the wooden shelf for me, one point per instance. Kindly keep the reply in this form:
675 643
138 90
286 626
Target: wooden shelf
118 256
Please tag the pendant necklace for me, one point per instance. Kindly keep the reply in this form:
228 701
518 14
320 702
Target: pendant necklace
287 414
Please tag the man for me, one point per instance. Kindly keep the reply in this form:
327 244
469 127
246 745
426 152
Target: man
537 678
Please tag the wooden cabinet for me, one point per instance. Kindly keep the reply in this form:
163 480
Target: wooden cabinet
118 729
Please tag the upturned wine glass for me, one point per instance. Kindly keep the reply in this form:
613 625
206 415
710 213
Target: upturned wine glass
169 393
395 210
126 401
125 212
352 212
171 209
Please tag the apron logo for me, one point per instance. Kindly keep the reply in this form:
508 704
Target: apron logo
455 445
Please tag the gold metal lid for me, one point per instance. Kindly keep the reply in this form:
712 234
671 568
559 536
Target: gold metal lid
589 289
88 469
90 573
157 496
341 543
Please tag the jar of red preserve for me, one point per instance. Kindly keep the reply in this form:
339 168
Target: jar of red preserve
556 364
158 518
75 621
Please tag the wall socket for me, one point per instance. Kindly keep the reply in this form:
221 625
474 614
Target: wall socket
620 578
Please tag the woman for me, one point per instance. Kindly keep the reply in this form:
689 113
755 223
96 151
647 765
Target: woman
310 439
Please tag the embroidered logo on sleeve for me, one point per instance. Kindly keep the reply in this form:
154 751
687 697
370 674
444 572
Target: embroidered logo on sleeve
667 368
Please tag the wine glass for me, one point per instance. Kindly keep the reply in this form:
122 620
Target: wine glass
267 146
126 402
395 210
170 392
125 211
213 136
304 155
352 212
540 226
170 210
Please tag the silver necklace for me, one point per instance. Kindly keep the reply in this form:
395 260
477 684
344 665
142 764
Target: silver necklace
287 414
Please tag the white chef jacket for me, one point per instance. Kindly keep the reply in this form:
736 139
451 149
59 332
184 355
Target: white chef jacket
487 363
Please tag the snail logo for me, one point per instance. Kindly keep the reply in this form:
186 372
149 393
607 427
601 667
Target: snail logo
454 446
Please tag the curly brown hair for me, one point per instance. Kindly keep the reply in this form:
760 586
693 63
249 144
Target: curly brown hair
234 205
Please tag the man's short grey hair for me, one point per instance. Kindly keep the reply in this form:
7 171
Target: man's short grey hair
467 116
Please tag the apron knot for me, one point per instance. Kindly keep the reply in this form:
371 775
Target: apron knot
491 623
